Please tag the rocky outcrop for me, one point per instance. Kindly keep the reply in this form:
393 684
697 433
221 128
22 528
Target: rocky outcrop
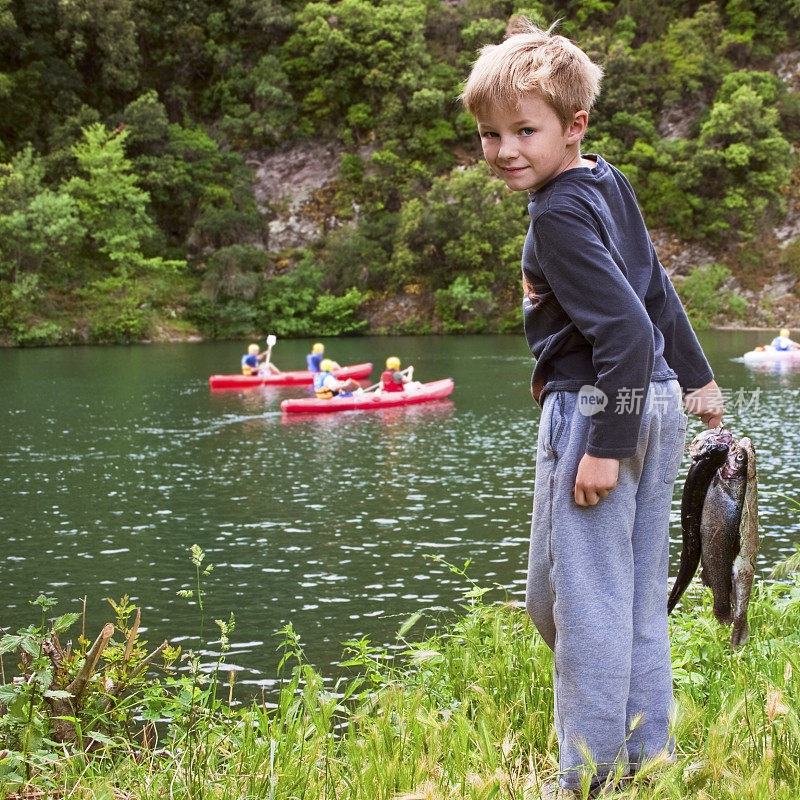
787 68
287 184
407 313
679 257
774 305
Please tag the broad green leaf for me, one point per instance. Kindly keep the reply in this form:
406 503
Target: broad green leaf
30 646
8 693
64 621
10 642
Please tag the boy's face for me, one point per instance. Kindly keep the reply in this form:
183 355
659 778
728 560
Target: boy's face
527 146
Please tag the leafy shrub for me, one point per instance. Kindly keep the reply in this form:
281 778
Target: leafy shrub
740 161
286 301
39 334
235 272
706 297
228 319
462 226
462 308
117 311
292 305
336 316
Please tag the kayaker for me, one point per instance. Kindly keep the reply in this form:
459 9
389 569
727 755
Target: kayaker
783 342
314 358
392 379
251 362
327 385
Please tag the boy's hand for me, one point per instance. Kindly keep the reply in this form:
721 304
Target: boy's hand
706 403
595 479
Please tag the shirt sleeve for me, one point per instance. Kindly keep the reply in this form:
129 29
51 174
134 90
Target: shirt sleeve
596 295
682 351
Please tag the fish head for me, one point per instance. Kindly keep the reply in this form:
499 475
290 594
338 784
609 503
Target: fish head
747 446
712 440
735 466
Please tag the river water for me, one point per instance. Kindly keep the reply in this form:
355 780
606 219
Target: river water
117 459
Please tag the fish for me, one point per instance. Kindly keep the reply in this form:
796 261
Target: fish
719 529
744 566
709 451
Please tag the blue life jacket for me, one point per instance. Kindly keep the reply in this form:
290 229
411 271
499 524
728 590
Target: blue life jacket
313 360
781 343
249 364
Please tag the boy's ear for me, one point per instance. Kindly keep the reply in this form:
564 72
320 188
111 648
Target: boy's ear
577 128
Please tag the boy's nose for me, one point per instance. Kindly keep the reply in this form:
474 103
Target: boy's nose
507 149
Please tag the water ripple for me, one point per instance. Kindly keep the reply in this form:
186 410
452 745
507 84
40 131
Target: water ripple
331 522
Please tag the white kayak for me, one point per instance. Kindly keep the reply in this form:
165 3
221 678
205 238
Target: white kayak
769 355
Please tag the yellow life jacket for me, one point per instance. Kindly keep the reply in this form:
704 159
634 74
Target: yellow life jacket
322 391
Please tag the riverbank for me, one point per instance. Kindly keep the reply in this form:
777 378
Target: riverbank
463 713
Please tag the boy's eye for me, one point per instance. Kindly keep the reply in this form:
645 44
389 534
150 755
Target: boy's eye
488 134
527 131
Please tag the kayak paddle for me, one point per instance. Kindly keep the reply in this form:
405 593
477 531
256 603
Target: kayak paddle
271 339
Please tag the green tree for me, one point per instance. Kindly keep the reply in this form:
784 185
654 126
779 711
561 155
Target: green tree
467 224
39 227
689 59
740 162
113 208
200 194
355 53
111 204
40 234
100 41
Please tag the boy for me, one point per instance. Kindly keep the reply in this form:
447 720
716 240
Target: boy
613 350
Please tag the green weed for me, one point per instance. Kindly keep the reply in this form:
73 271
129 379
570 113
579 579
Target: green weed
464 713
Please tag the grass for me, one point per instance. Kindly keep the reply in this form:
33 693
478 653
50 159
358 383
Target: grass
466 713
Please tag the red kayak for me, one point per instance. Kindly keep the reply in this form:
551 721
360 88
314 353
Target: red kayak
297 378
435 390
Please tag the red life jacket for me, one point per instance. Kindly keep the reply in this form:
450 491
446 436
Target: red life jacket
388 383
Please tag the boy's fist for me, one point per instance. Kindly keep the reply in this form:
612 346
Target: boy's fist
595 479
706 403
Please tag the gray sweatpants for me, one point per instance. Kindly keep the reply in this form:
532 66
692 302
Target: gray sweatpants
597 586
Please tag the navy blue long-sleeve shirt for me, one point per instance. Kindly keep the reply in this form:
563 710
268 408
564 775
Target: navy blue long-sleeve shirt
599 308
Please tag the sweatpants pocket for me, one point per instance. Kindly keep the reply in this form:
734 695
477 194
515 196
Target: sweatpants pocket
557 422
674 461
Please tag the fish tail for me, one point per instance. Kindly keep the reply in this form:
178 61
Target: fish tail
690 558
723 611
674 596
740 633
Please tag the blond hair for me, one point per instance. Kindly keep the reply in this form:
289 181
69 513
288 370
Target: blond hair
533 60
